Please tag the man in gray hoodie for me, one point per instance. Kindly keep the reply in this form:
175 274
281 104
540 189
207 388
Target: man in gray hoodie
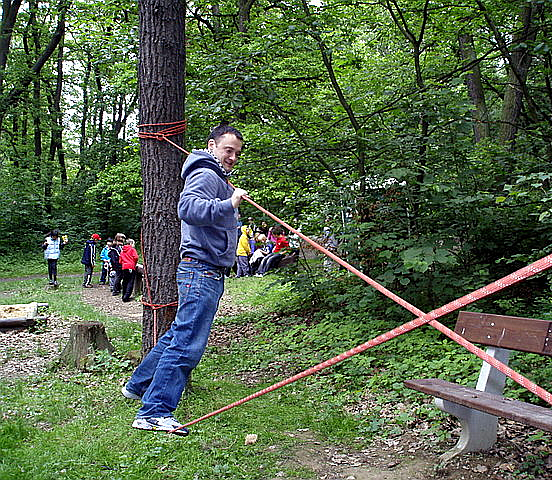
208 213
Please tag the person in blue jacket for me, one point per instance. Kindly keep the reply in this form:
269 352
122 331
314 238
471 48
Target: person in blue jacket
52 246
106 261
208 212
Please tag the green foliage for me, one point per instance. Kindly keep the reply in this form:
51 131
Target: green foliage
20 264
344 125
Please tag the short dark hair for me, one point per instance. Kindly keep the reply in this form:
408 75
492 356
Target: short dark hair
222 129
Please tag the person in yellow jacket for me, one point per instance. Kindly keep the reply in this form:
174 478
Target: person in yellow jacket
244 252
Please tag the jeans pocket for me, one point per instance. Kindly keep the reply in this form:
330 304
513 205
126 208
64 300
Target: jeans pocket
212 274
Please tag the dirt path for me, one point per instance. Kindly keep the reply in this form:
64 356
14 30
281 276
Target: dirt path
100 297
410 456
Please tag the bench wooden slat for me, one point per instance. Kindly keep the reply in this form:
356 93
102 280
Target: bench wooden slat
534 415
515 333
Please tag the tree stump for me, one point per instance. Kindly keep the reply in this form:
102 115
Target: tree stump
84 340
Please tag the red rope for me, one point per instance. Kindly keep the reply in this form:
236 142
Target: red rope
173 128
528 271
422 318
153 306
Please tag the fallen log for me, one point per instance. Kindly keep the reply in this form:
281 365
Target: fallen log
20 316
16 323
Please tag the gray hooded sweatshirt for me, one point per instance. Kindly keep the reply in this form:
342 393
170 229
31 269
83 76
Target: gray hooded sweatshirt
208 219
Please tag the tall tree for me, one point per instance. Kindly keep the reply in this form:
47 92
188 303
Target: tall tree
9 16
13 96
474 84
161 86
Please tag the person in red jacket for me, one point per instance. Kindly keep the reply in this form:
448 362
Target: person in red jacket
272 260
128 260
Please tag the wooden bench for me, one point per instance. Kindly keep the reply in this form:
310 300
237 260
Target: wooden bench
478 408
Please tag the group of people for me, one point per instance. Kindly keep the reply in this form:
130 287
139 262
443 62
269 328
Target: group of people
118 257
119 264
260 249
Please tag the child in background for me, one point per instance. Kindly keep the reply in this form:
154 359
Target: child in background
253 227
106 263
128 260
243 252
280 248
116 275
89 259
260 252
270 239
52 246
329 242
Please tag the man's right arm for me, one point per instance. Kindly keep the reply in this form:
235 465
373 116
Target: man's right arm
199 203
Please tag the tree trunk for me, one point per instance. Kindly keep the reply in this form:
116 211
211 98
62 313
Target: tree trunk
56 140
9 16
518 68
414 33
480 114
101 107
85 339
85 106
244 11
161 86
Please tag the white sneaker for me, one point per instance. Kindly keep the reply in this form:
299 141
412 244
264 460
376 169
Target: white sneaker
164 424
128 394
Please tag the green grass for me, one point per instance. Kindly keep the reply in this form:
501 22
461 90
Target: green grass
79 428
67 424
20 265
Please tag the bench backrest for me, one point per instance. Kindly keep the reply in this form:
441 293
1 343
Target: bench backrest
514 333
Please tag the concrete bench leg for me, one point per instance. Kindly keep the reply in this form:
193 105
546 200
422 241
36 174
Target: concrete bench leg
478 428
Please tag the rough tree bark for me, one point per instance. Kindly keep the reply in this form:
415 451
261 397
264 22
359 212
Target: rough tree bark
518 59
518 69
480 114
161 85
85 339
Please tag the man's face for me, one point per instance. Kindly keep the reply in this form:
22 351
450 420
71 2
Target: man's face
227 149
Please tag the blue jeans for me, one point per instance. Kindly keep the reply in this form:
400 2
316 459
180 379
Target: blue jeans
162 376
